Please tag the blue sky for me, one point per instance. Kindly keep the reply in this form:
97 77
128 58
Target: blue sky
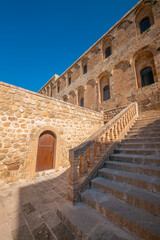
39 38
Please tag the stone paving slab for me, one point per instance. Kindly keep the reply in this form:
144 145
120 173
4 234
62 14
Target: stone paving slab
28 209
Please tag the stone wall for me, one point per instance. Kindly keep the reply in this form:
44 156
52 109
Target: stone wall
131 52
109 114
24 115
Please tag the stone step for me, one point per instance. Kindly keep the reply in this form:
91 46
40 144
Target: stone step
149 170
143 134
88 224
135 220
149 183
149 122
131 157
141 139
143 145
135 196
139 151
154 117
145 124
145 128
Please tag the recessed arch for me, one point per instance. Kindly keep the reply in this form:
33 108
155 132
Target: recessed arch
103 74
72 97
144 60
33 145
91 94
81 100
46 151
144 12
104 88
65 98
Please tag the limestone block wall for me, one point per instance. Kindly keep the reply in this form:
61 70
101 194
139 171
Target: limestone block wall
24 115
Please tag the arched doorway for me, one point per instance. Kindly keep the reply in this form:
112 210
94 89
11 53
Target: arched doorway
46 151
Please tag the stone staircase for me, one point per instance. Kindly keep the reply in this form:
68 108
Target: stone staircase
123 201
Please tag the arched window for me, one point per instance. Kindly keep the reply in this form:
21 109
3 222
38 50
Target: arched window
82 102
47 90
147 76
144 24
145 69
144 19
69 80
81 96
107 52
58 89
106 93
85 69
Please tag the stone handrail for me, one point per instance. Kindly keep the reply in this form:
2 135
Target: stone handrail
89 156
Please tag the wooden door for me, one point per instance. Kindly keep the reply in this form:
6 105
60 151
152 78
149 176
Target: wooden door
46 151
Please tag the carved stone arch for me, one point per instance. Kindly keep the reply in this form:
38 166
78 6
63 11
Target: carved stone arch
105 73
124 24
91 82
33 145
144 11
122 65
65 98
149 48
144 58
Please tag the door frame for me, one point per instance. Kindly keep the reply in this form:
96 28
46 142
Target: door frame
60 155
51 133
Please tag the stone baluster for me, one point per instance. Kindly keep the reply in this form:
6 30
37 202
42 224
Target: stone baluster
111 134
118 127
107 138
73 176
97 151
103 145
124 124
115 131
126 120
92 156
83 168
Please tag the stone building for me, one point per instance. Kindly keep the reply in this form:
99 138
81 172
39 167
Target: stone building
100 119
123 66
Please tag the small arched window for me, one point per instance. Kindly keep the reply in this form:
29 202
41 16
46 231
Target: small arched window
58 89
84 69
69 80
144 24
106 93
147 76
107 52
82 102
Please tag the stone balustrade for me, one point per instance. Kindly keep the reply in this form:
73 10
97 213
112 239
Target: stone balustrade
88 157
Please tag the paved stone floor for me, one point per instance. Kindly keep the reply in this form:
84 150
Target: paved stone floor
28 209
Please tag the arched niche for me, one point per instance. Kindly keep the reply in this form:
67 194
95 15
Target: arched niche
91 93
121 78
72 97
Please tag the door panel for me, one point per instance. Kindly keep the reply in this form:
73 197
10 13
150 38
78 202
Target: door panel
46 151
